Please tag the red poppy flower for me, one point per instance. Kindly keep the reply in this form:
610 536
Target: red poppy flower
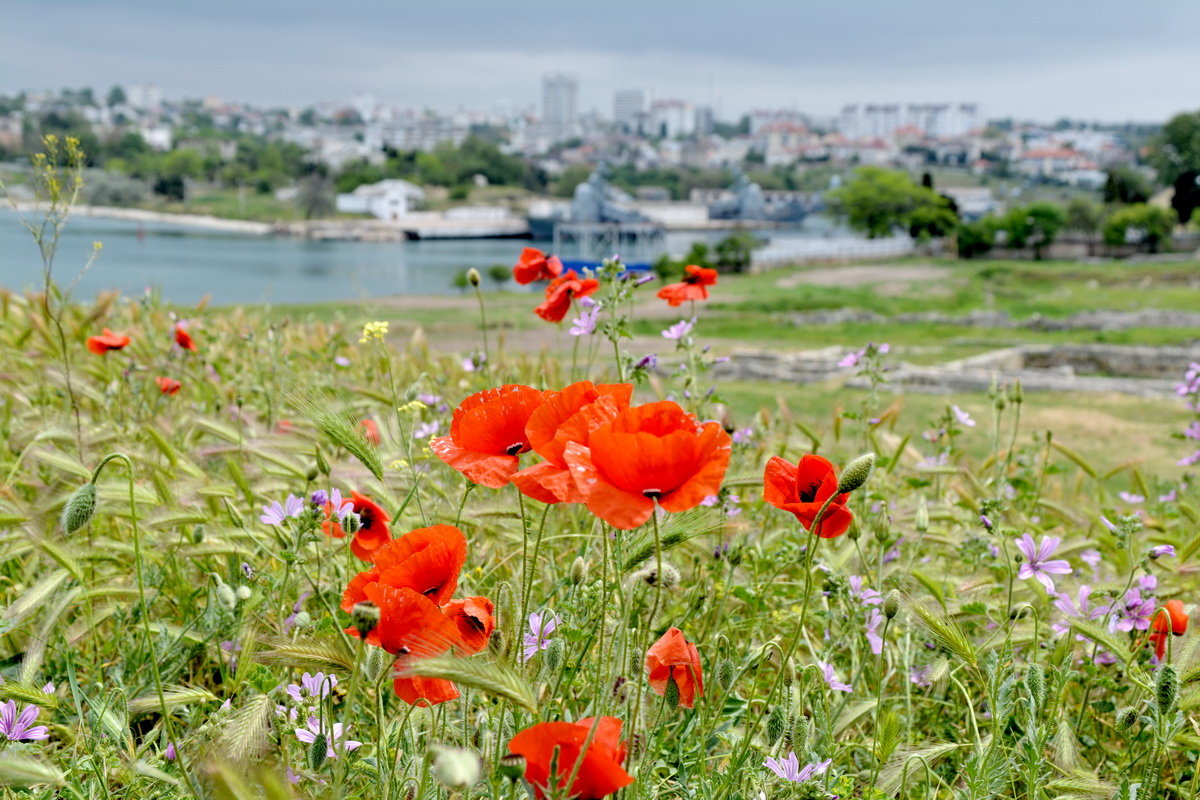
488 433
673 656
106 341
475 622
651 452
183 338
412 627
168 385
534 265
597 769
567 416
1174 621
373 532
694 286
425 560
803 488
370 431
561 291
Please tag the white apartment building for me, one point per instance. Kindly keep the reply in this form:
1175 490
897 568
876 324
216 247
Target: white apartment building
933 120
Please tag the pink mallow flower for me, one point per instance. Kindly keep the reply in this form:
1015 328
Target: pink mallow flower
831 678
18 727
789 768
1037 560
333 735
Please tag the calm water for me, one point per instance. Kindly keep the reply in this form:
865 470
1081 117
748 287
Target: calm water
187 264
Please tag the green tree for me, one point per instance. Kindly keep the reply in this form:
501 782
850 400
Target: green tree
1141 223
1083 215
734 253
879 201
978 237
1035 225
316 196
1125 185
116 97
1177 148
499 274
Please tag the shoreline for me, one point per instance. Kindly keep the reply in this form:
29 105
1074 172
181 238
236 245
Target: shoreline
204 221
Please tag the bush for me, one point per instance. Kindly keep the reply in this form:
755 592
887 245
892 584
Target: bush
1140 224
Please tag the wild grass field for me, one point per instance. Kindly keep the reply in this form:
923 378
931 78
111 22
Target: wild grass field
382 551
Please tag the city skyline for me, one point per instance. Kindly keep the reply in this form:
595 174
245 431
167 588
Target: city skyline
1090 61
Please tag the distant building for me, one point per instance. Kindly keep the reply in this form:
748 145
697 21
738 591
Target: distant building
629 110
885 120
706 120
157 135
672 118
144 97
559 105
388 200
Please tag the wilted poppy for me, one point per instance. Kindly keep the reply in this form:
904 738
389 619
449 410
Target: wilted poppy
534 265
168 385
598 772
488 433
425 560
561 291
567 416
803 488
373 531
673 657
183 338
475 621
106 341
370 431
654 452
1173 621
412 627
694 286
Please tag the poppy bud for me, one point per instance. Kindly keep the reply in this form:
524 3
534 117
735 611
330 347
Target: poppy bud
922 517
891 604
856 473
322 464
670 693
318 751
579 571
497 643
351 523
243 593
1127 717
198 534
79 508
1035 682
364 616
226 596
312 473
1016 394
473 276
776 720
376 663
725 673
454 767
302 620
1166 688
554 653
512 766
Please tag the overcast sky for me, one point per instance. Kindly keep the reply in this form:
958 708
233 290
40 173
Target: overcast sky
1040 59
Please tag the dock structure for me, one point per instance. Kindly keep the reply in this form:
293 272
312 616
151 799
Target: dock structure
634 242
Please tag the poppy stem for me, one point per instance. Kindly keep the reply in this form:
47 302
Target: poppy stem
483 330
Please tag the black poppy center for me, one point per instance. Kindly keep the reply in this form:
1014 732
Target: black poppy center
653 494
515 448
809 494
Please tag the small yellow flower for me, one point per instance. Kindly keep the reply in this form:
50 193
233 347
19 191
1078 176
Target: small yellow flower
414 408
373 330
399 463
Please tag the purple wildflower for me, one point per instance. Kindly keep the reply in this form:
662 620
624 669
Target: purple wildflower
1133 612
1037 563
429 399
874 620
963 417
342 361
296 608
426 429
649 361
585 323
831 678
1189 461
679 329
1169 497
920 677
1091 557
1079 607
867 596
540 626
311 687
170 754
789 769
1160 550
17 727
710 500
319 498
852 359
743 435
333 734
1129 497
649 276
275 514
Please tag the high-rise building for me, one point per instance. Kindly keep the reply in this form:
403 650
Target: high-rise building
883 120
559 115
629 110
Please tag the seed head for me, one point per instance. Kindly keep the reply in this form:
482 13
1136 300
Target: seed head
455 767
79 508
891 604
473 276
351 523
856 473
1127 717
579 571
512 766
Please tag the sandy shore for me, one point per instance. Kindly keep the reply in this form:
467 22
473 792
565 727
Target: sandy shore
158 217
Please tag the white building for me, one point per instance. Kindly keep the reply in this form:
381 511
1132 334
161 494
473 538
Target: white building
388 200
629 110
559 105
144 96
672 118
933 120
157 135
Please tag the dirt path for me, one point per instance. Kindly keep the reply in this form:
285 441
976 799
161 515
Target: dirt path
889 278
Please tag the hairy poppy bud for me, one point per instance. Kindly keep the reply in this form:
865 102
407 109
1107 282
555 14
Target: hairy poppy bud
891 604
364 616
312 473
579 571
497 643
351 523
554 653
1127 717
318 751
512 766
725 673
79 508
376 663
1166 688
670 692
226 596
1035 682
302 620
776 720
856 473
454 767
473 276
